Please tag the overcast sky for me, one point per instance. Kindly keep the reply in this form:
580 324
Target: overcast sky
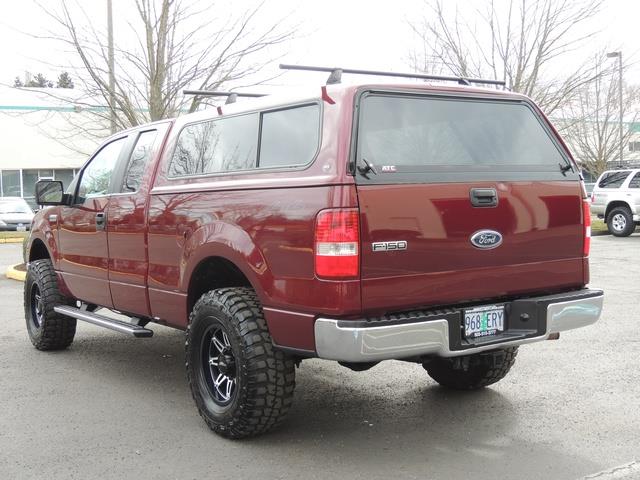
355 33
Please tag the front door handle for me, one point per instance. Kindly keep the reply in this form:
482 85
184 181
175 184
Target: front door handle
483 197
101 221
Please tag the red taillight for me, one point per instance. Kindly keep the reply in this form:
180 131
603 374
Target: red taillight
586 213
337 242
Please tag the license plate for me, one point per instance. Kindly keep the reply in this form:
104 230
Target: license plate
483 321
21 228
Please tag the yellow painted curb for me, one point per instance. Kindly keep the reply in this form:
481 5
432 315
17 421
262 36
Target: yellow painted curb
15 274
11 240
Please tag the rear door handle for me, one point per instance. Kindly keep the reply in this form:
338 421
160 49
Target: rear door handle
483 197
101 220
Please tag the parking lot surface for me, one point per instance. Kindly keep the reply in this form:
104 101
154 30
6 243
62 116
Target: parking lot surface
118 407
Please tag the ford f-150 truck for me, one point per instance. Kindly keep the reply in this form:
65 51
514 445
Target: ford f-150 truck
439 224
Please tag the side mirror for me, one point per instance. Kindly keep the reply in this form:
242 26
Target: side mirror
50 192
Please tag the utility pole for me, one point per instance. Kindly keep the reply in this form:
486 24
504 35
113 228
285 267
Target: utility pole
618 55
112 77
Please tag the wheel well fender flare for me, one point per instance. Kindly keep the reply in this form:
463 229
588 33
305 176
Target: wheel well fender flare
228 242
616 204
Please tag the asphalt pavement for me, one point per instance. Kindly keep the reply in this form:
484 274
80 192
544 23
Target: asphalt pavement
114 407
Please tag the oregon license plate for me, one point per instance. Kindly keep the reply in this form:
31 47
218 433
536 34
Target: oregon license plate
483 321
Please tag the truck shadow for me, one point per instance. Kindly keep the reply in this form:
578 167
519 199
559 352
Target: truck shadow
392 420
401 420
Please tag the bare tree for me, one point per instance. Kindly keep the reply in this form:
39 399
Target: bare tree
511 40
167 45
591 120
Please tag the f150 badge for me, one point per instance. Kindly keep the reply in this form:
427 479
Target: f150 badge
486 239
389 246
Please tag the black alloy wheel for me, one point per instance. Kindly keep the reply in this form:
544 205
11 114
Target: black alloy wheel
47 329
241 383
37 307
219 364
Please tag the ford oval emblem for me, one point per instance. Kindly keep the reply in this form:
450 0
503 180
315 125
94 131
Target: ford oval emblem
486 239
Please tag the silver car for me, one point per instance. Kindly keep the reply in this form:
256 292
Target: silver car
15 214
616 199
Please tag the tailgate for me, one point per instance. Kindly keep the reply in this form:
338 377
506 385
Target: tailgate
541 249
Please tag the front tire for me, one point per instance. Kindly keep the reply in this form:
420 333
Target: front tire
620 222
472 372
241 384
47 329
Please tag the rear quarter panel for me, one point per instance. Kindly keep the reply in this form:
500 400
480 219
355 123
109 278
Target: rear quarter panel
267 234
263 222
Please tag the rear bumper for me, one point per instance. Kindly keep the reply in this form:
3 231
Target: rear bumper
420 334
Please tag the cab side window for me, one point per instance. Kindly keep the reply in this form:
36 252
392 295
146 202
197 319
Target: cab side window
139 159
635 181
613 179
214 146
289 137
96 177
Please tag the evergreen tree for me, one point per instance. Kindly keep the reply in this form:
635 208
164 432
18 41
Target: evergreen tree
40 81
18 83
64 81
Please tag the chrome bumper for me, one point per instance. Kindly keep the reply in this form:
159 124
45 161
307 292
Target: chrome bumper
336 340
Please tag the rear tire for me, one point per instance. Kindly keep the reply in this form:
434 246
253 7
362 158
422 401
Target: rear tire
47 329
620 222
241 384
472 372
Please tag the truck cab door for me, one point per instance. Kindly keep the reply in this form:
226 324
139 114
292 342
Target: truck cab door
127 222
634 192
82 227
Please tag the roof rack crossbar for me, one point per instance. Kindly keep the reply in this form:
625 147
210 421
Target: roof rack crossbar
231 96
460 80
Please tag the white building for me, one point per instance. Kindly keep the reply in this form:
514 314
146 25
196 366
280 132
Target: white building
43 137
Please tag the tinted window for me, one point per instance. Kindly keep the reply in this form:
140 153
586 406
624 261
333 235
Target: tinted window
613 179
139 159
29 179
96 177
425 134
220 145
635 181
289 137
11 183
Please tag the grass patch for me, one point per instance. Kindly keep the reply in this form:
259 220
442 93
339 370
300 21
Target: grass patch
598 225
4 235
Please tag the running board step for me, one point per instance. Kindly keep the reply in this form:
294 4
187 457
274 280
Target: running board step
106 322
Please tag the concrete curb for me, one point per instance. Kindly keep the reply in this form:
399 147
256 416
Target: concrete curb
14 274
11 240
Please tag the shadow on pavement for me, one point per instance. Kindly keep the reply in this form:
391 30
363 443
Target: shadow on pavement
358 424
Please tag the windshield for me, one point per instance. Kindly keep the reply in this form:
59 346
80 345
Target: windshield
400 135
15 206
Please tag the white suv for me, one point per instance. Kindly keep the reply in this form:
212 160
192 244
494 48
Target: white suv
616 198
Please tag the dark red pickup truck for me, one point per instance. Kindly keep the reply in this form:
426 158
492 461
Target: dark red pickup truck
441 225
